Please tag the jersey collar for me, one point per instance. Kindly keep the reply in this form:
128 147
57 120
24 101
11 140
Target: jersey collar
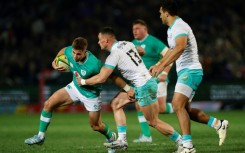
174 22
143 38
113 45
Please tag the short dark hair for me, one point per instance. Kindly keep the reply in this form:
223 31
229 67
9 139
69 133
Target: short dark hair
139 21
80 43
170 6
108 30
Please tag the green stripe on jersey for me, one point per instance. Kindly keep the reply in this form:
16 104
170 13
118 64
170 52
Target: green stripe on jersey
109 66
182 34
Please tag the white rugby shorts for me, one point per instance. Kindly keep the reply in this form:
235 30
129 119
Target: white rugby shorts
91 104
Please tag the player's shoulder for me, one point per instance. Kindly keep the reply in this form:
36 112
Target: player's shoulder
91 55
180 23
134 41
67 50
152 38
121 45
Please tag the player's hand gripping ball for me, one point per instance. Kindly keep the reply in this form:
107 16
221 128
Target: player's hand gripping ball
61 61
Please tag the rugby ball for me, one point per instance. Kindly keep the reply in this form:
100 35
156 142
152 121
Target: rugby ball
62 60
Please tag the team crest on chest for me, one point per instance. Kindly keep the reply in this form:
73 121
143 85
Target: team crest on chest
83 72
143 46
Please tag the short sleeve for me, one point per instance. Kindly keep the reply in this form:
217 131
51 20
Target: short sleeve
112 60
180 31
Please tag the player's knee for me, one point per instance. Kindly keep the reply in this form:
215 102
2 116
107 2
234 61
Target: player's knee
47 106
114 103
162 110
152 123
176 106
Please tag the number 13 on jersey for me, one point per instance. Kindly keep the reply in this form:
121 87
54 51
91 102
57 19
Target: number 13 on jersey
134 57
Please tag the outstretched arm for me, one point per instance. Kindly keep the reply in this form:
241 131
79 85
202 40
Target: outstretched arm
97 79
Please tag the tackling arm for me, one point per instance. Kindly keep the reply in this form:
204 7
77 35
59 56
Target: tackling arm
97 79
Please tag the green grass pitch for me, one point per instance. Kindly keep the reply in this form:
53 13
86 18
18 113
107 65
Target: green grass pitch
71 133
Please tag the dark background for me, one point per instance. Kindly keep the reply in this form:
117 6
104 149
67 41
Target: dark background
33 31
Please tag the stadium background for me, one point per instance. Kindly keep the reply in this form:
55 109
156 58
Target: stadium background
32 32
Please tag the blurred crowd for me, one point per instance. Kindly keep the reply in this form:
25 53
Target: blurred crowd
32 32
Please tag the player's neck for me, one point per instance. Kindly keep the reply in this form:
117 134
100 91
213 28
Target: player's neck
110 45
171 20
143 37
82 60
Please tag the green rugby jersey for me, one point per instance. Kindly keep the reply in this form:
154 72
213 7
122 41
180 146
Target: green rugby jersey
153 48
90 67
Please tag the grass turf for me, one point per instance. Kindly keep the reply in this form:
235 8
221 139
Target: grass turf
71 133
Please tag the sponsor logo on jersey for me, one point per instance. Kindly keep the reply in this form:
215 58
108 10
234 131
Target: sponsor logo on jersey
121 45
68 86
83 72
185 77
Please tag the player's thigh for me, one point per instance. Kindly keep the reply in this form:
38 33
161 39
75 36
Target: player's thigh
150 111
59 98
179 100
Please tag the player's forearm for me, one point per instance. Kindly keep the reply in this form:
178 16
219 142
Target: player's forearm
167 69
164 58
172 56
97 79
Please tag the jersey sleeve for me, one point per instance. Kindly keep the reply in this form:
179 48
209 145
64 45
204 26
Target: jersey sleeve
161 48
179 31
112 60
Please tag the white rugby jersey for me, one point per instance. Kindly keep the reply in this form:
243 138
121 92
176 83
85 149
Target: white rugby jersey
124 55
189 58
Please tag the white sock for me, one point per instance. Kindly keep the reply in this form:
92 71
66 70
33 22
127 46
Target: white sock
179 140
121 136
188 144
